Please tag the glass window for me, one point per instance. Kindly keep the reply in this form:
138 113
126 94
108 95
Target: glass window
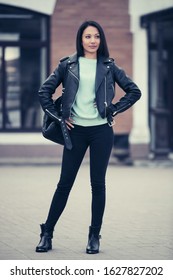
23 67
12 101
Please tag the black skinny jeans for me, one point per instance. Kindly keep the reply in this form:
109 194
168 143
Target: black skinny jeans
99 139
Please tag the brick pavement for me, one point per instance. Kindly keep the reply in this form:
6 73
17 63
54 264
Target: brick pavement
137 222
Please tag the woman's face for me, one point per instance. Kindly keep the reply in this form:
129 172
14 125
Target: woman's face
90 41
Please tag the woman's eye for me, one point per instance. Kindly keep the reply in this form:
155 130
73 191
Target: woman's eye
89 36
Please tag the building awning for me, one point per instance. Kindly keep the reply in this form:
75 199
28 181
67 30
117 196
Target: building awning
40 6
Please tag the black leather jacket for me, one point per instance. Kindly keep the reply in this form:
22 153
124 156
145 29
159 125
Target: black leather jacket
107 75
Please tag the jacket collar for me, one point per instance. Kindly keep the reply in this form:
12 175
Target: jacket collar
74 59
103 66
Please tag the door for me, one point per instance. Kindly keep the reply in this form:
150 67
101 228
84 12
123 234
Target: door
161 86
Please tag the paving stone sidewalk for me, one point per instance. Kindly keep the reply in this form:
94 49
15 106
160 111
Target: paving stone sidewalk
138 221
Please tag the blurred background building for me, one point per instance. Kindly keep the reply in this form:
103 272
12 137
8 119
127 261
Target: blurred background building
34 35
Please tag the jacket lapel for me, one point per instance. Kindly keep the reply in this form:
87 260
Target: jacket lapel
73 65
101 72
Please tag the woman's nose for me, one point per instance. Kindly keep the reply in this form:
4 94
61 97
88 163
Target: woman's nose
93 39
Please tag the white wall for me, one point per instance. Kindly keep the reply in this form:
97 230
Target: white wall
142 7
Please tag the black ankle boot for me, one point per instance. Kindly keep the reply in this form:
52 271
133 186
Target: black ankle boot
45 243
93 241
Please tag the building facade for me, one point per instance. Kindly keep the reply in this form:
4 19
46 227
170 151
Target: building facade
34 35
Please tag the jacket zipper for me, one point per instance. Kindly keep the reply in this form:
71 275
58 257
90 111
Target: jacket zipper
122 108
53 116
73 74
105 102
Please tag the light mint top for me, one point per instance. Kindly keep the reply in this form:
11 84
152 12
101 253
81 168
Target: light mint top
84 110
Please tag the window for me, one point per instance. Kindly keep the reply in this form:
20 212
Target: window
24 49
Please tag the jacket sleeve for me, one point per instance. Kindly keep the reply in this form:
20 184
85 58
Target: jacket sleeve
48 89
132 92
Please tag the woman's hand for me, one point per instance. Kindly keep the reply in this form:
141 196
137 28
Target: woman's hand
69 123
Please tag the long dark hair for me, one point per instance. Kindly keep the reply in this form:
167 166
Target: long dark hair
102 50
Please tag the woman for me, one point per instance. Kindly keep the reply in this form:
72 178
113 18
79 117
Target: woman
88 78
